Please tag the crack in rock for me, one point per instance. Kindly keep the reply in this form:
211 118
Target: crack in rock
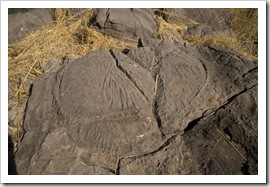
107 17
194 122
165 143
127 74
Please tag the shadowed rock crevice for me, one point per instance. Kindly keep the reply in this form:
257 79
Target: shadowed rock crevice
165 144
107 17
155 108
12 170
194 122
159 122
245 169
126 73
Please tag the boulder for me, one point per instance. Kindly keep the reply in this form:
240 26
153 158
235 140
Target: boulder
92 112
224 143
23 21
161 108
131 23
208 99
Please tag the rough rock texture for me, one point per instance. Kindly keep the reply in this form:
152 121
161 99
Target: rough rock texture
22 21
217 20
108 117
52 65
162 108
204 22
126 23
203 31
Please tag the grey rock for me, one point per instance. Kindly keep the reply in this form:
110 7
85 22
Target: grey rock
154 110
52 65
217 20
144 56
109 117
203 31
21 22
18 10
220 144
126 23
228 138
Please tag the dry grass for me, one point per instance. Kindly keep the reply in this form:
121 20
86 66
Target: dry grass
245 26
66 37
170 31
244 23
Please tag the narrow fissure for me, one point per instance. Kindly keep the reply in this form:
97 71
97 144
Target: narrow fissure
126 73
248 72
107 17
251 70
155 106
236 95
194 122
162 146
117 170
158 85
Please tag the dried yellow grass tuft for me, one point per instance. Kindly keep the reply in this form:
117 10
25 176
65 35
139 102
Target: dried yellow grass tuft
170 31
245 25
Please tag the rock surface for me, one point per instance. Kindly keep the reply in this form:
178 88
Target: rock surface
130 23
22 21
218 21
202 22
162 108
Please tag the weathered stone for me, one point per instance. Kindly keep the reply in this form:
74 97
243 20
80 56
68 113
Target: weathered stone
217 20
126 23
21 22
191 85
222 143
163 108
97 109
18 10
204 32
144 56
52 65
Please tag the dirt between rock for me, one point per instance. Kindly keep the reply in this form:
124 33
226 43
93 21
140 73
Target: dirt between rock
161 108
